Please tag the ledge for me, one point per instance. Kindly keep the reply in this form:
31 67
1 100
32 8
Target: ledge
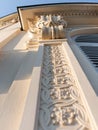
8 33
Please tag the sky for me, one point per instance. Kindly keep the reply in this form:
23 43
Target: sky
10 6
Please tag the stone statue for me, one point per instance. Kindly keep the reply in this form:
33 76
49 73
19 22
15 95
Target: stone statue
48 26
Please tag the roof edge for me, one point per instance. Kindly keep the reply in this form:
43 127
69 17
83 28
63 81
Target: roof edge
57 4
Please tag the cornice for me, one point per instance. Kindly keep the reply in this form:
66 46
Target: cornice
69 13
81 10
64 9
8 20
85 6
65 3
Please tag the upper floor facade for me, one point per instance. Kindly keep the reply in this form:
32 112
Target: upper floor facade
53 63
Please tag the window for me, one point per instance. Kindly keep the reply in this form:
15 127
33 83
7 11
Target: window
92 54
85 49
89 45
90 38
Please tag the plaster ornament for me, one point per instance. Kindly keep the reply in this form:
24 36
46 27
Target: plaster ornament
48 26
61 106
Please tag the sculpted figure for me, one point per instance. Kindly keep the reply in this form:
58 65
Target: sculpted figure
49 26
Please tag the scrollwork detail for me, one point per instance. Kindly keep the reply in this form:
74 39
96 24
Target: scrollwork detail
61 105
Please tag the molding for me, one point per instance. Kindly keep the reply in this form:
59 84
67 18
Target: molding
72 12
68 11
8 20
87 79
52 4
61 101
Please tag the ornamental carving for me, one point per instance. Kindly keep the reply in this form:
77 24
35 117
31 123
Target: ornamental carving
5 22
48 26
72 12
61 106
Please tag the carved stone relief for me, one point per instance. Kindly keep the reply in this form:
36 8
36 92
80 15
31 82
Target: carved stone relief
9 21
72 12
61 106
48 27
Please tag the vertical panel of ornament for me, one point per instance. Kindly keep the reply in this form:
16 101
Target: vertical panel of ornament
61 106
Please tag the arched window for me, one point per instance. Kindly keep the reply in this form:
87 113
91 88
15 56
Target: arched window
89 45
90 38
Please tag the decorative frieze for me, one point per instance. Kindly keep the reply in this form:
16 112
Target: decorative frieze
61 106
4 22
68 13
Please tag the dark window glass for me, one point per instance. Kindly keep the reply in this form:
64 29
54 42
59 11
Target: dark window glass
90 38
92 53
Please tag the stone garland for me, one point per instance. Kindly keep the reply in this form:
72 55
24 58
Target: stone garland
60 102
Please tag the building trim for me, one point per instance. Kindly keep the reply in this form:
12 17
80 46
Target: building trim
67 3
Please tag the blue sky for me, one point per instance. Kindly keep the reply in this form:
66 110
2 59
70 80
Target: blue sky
10 6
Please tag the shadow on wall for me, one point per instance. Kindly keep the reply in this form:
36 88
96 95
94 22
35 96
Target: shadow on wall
13 43
9 65
15 66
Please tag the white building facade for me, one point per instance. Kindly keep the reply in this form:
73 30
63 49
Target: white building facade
49 68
